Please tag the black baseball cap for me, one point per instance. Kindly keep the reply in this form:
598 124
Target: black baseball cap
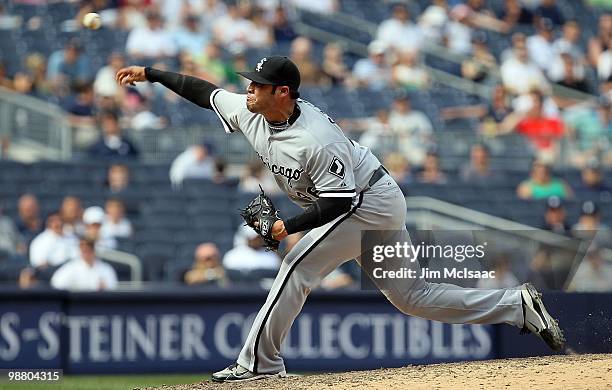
275 70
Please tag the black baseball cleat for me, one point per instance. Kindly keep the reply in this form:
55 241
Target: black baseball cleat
538 321
237 373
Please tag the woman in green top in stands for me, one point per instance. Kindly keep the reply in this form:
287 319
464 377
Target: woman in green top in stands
541 184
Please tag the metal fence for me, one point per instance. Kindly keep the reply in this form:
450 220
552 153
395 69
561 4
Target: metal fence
165 145
39 129
35 124
529 250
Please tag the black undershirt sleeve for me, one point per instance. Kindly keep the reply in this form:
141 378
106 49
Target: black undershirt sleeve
191 88
318 214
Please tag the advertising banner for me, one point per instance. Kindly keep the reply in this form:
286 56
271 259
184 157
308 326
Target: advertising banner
118 332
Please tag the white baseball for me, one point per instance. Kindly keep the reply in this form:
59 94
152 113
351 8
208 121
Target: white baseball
92 21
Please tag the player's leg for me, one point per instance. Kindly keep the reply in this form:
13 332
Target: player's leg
321 251
521 306
325 248
317 254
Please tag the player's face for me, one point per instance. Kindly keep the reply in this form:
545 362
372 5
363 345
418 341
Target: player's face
259 97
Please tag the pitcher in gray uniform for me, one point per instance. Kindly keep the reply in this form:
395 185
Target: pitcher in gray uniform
344 191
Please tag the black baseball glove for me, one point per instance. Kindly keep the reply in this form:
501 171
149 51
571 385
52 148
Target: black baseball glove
260 215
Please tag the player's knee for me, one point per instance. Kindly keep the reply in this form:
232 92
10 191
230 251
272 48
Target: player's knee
403 304
305 281
294 254
409 302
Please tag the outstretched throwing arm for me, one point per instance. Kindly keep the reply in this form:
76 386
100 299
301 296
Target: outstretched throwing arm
191 88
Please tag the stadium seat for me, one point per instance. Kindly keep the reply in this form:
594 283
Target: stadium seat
11 266
128 245
155 234
123 271
208 206
249 277
174 271
211 223
206 189
163 205
168 220
153 256
187 250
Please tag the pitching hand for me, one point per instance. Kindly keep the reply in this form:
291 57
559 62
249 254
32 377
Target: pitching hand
131 75
279 232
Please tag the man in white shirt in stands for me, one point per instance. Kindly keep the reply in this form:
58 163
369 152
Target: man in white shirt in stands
248 253
86 273
52 247
373 72
520 74
541 45
94 217
151 41
194 163
399 32
413 129
326 7
115 223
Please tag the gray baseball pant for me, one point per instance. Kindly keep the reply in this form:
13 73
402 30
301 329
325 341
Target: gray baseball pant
323 249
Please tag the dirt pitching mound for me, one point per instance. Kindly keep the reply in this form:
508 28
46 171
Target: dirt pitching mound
548 372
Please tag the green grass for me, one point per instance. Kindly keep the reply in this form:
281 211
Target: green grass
109 382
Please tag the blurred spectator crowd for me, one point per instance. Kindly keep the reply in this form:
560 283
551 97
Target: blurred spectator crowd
388 99
183 231
184 227
519 49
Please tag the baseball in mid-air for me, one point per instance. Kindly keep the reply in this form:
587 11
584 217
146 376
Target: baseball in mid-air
92 21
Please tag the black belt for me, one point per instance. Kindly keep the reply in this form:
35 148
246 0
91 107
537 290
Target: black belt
377 175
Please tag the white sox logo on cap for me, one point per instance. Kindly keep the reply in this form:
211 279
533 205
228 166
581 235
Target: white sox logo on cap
260 64
275 70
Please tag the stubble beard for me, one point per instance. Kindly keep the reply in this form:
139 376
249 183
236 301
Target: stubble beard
251 107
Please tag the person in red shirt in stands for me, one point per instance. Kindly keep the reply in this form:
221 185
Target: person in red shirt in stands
543 131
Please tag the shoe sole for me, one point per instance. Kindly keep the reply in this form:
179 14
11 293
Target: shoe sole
552 334
252 378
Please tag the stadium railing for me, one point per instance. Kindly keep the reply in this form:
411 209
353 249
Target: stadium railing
363 26
522 241
34 126
132 262
165 145
39 129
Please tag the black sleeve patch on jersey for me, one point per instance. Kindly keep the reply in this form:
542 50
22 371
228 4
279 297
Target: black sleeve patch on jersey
336 168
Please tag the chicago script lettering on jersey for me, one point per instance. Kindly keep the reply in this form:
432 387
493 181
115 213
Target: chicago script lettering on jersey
292 174
311 159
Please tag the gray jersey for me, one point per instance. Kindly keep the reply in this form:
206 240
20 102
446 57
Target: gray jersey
310 159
